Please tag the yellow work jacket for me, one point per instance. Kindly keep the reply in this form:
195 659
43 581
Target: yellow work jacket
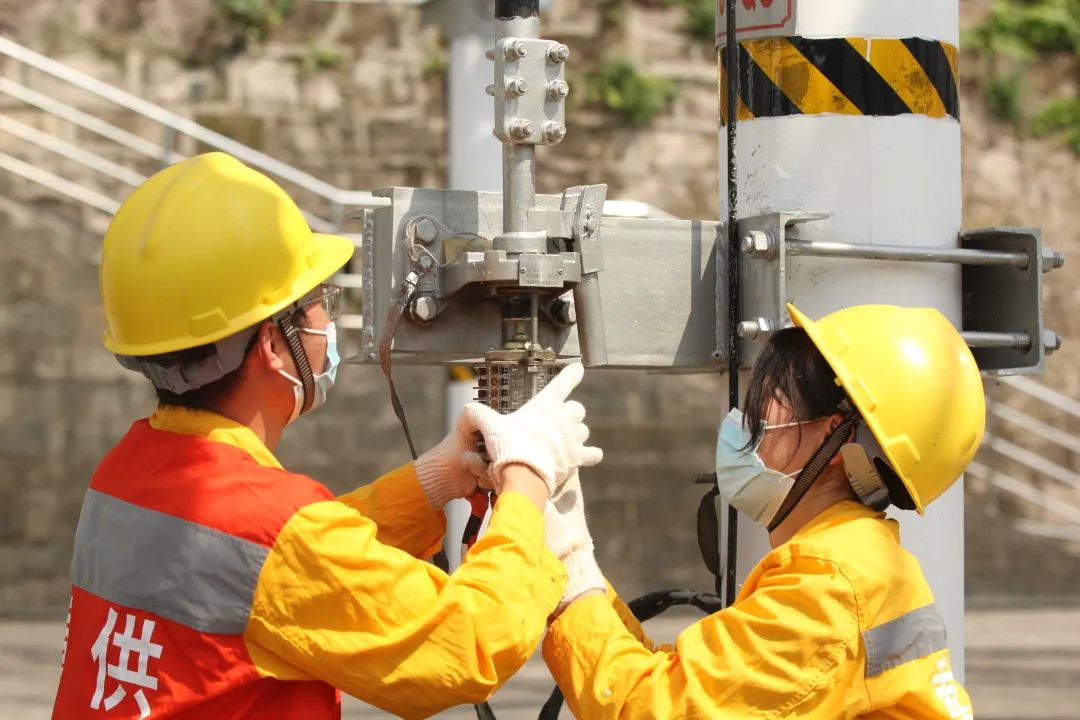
838 622
255 592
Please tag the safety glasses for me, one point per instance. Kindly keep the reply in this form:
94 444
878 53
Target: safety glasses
326 296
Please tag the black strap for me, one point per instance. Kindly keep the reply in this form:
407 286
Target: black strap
292 339
818 463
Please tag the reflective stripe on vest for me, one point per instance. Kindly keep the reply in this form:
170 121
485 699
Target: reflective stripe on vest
182 571
911 636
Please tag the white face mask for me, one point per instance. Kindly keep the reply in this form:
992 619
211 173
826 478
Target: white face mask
324 380
742 478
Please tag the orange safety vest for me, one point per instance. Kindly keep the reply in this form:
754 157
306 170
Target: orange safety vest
171 540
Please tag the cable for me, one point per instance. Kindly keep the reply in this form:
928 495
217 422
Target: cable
732 50
393 319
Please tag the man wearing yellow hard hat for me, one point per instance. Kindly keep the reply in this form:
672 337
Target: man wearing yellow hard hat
208 581
870 406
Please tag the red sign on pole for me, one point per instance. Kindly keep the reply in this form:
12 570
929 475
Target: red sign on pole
757 18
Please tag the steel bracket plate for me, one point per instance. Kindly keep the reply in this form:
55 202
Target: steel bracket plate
524 92
762 281
671 330
1005 299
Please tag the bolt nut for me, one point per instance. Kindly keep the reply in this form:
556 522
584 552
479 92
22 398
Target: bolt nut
516 87
514 50
558 53
753 329
759 244
425 230
554 131
1051 341
425 308
557 90
520 128
1051 260
563 313
490 90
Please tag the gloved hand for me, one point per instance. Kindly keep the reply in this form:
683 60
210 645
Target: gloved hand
547 433
452 468
567 536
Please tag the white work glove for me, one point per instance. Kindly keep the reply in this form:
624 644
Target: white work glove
567 536
452 468
547 433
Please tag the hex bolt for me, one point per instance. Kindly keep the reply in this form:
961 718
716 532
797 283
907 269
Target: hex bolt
563 313
514 50
1051 260
554 131
425 308
558 53
520 128
426 262
425 230
759 244
557 90
1051 341
753 329
516 87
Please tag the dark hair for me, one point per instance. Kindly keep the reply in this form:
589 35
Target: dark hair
791 369
208 397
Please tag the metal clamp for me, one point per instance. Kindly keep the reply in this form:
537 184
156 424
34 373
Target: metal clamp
762 280
530 91
1001 286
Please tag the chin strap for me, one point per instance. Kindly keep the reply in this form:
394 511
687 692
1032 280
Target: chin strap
820 460
303 367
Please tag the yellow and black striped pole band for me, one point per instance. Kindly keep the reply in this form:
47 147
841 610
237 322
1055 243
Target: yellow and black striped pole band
844 76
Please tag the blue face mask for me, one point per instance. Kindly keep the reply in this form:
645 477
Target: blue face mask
742 478
324 380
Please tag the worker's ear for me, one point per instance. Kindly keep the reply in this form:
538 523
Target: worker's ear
269 346
833 423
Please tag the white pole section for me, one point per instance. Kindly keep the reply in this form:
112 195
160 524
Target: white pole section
887 176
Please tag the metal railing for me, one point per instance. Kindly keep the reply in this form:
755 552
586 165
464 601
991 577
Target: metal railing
339 202
1058 502
338 199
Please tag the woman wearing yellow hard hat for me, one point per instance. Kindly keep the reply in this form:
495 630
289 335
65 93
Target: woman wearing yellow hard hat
210 582
869 406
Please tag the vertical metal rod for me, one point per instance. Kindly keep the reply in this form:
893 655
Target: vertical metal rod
518 18
519 186
534 316
732 90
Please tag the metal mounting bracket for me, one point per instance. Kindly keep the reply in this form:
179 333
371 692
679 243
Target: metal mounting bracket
1001 286
456 316
762 280
1004 300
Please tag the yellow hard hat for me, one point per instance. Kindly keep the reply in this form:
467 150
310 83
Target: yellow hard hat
914 381
202 250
